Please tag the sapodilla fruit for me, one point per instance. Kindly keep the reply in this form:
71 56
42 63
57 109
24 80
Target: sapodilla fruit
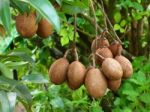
126 66
76 75
26 24
104 52
2 31
58 71
114 84
95 83
116 48
44 28
112 69
99 42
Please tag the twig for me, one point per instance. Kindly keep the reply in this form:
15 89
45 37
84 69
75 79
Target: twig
95 22
74 38
103 11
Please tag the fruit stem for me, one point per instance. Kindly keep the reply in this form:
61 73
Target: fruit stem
93 60
76 54
66 53
100 56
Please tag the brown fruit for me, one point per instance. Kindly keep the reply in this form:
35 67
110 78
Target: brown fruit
114 84
58 71
112 69
26 24
76 74
126 66
101 42
116 48
44 28
95 83
2 31
104 52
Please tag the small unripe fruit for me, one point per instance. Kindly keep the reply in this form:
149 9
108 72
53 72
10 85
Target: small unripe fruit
104 52
116 48
45 28
58 71
112 69
26 24
126 66
95 83
76 75
99 42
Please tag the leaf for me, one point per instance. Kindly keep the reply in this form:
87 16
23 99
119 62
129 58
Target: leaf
16 65
117 17
12 99
35 78
21 6
5 15
46 9
123 23
117 27
73 7
5 71
5 105
21 90
145 97
57 102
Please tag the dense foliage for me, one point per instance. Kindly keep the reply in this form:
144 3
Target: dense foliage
24 63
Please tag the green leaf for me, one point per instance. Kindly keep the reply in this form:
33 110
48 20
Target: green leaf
46 9
145 97
117 27
122 30
5 71
57 102
5 15
21 6
123 23
16 65
4 101
35 78
73 7
21 90
117 17
12 99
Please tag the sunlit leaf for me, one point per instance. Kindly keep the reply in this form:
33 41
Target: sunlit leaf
5 14
4 101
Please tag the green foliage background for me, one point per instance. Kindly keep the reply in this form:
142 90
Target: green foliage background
30 59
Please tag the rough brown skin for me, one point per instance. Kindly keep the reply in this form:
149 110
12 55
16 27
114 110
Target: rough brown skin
95 83
58 71
126 66
26 24
116 48
104 52
101 42
76 75
2 31
112 69
114 84
44 28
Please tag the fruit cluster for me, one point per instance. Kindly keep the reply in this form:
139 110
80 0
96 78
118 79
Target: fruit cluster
113 68
27 26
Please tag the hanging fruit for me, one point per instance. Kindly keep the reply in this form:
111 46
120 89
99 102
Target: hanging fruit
45 28
58 71
26 24
95 83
